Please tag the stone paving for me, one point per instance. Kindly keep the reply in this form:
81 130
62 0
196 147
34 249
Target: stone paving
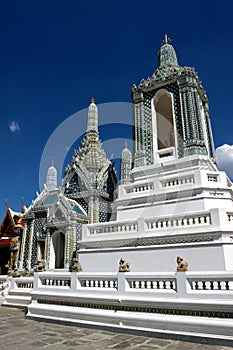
17 332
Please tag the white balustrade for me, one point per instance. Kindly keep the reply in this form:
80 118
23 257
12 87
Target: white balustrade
159 283
178 181
142 300
21 283
99 281
25 284
202 219
212 178
56 281
140 188
211 282
113 228
185 285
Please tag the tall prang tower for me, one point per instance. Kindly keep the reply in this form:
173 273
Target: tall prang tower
174 201
171 113
126 165
90 179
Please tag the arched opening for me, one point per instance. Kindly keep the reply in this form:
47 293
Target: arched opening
4 258
164 120
58 240
40 250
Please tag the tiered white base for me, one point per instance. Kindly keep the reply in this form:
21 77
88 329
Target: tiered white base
182 207
184 304
184 326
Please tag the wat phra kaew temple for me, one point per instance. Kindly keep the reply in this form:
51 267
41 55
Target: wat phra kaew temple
152 252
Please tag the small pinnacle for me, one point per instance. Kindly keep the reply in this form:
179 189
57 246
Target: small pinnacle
23 206
166 40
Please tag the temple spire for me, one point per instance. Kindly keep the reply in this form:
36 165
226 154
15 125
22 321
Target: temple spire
23 208
166 40
92 117
51 180
126 164
167 55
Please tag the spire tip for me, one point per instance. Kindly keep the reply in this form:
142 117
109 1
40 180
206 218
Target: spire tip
166 40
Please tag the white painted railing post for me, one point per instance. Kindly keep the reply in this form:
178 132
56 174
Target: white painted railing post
36 281
74 282
182 284
8 279
84 232
122 283
12 283
141 225
218 217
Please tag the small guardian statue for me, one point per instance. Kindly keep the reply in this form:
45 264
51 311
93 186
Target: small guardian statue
9 269
124 266
39 266
27 271
75 265
15 273
182 266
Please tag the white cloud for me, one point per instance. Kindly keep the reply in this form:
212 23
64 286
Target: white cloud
224 155
14 126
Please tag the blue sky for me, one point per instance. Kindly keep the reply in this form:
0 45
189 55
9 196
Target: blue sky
56 55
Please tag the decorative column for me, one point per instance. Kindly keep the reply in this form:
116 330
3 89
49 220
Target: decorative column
90 209
193 134
30 243
198 115
47 247
96 209
73 241
24 235
185 117
138 112
209 131
67 246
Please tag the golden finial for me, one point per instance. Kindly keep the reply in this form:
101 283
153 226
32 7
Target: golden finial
52 162
166 40
6 204
23 206
93 100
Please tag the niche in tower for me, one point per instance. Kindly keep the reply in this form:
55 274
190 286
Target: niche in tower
164 120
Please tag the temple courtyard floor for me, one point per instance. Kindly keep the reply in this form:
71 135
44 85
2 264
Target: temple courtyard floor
17 332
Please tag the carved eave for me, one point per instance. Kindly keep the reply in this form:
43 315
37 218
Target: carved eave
29 216
165 76
188 238
87 194
81 171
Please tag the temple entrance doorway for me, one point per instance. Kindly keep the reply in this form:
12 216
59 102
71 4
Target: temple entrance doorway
4 258
57 250
164 119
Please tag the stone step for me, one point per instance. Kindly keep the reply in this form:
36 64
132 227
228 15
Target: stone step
17 300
